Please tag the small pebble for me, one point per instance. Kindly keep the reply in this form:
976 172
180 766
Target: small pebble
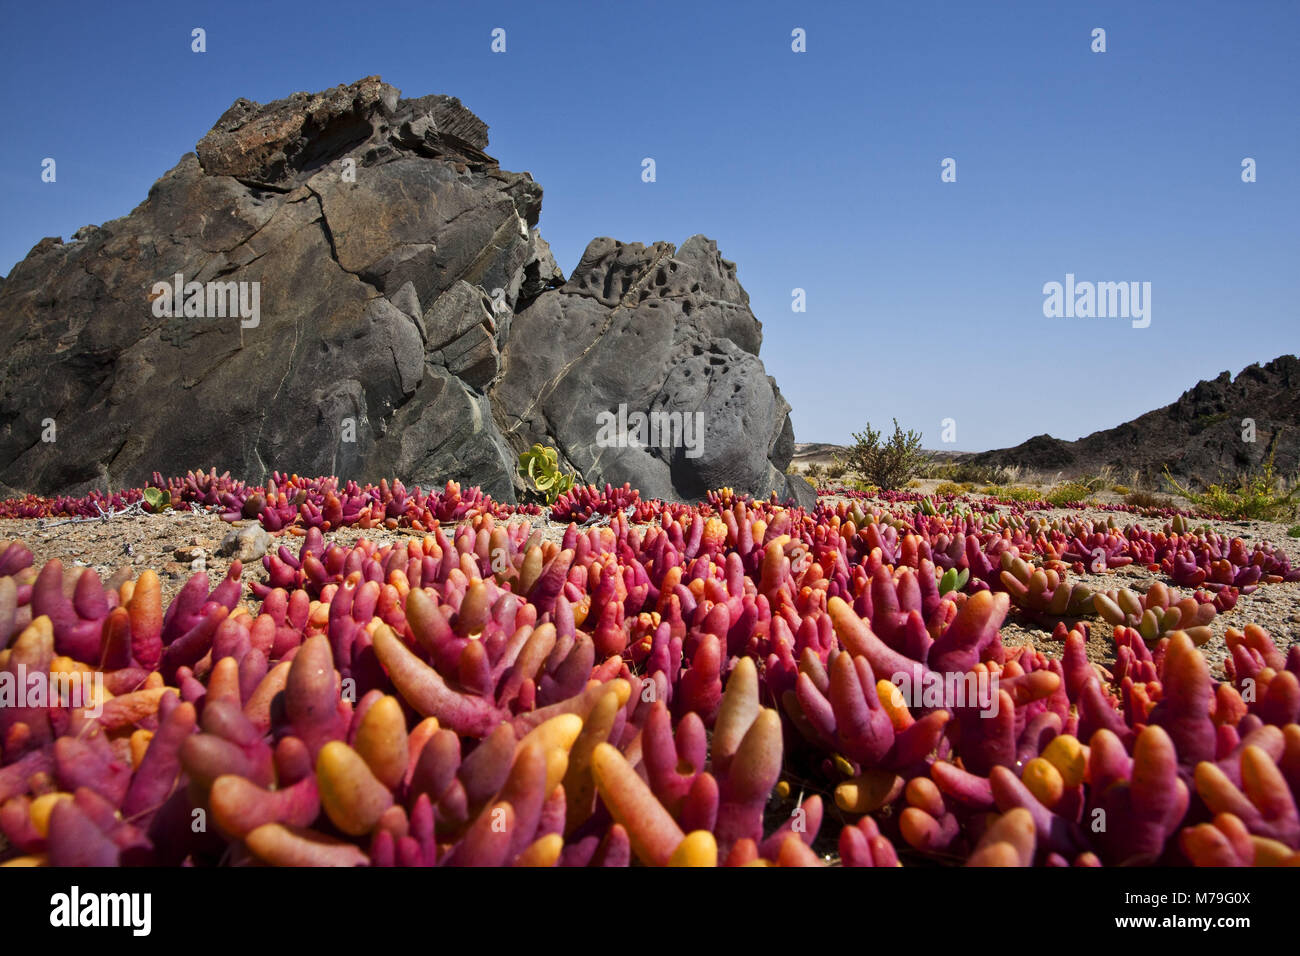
245 544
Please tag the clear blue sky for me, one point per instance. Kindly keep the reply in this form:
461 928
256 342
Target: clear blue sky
818 170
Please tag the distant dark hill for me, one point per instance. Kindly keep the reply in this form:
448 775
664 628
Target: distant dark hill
1199 436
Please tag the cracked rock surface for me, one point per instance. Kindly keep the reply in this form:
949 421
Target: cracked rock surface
411 322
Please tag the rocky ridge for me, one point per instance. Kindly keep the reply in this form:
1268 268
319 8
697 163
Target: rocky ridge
1200 436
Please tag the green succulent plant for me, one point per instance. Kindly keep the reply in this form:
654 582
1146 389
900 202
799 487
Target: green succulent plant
540 466
157 500
953 580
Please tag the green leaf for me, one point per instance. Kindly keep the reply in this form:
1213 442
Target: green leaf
157 499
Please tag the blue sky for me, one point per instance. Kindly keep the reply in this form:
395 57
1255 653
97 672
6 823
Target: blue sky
816 170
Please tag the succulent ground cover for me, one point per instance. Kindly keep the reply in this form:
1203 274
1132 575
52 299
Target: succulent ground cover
410 678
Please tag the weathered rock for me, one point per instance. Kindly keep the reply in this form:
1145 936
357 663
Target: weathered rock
397 303
659 332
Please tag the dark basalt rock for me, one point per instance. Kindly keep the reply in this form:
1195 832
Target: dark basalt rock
657 331
411 321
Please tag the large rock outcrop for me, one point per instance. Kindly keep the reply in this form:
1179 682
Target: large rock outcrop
1199 436
661 333
401 316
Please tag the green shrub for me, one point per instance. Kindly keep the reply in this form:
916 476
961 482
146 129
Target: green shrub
866 488
941 470
1293 531
965 472
890 465
1121 489
1258 496
1012 492
952 488
1067 493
